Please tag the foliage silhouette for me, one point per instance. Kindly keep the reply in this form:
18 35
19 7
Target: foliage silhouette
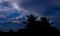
46 26
31 24
42 26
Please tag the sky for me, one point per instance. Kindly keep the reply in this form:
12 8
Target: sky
12 12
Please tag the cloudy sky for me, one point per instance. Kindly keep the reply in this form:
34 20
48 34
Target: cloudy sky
12 10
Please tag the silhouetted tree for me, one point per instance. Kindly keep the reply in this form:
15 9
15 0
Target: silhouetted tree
31 23
44 22
43 26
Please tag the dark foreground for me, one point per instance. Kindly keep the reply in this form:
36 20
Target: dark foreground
42 27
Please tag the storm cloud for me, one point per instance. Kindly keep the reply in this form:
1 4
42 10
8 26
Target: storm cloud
49 8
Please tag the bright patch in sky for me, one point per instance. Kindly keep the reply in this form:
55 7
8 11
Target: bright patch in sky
9 10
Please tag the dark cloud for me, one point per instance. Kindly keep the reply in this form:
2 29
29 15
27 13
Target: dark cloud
5 4
41 5
44 7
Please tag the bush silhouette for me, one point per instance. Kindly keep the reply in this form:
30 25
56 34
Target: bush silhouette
46 26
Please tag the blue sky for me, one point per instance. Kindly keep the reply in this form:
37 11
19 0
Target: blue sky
17 9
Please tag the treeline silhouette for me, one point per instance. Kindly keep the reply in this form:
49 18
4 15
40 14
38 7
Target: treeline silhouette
42 26
38 26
